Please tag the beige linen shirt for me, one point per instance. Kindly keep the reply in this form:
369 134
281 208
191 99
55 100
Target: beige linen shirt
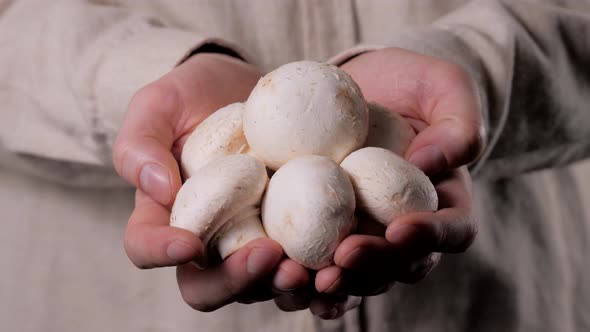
69 67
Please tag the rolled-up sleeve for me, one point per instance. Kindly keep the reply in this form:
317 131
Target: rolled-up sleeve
68 70
530 62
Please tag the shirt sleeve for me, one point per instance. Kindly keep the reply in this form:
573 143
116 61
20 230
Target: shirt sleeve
529 60
69 68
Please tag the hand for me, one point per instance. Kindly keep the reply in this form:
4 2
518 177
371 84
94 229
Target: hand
439 100
158 121
369 263
407 250
437 97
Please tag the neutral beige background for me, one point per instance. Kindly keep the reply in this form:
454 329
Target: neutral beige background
68 68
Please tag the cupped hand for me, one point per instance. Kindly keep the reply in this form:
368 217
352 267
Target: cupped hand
369 262
439 100
408 249
437 97
158 121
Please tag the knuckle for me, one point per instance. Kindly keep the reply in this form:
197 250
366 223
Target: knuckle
454 73
421 269
120 150
191 296
154 93
474 139
162 96
231 288
199 304
461 237
470 233
131 249
471 139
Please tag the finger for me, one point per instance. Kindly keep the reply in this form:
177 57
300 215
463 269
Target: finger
294 301
359 282
452 229
332 306
454 135
418 269
437 95
330 280
359 251
446 231
210 289
258 293
369 265
290 276
151 242
141 153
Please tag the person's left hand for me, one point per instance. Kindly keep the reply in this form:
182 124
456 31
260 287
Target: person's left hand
369 262
439 100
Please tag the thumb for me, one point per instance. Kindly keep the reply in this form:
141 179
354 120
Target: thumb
454 135
142 152
444 145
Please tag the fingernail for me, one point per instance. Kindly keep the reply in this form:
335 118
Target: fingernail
180 251
429 159
334 287
400 234
154 180
281 282
330 314
261 261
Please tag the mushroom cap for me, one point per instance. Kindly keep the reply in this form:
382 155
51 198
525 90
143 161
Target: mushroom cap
305 108
389 130
220 192
309 209
387 186
219 135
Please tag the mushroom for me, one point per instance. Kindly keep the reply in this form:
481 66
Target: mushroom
218 135
221 204
388 130
308 209
387 186
305 108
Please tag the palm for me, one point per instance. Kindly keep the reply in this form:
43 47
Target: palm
437 98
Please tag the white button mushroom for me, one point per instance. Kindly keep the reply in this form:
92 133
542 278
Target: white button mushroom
389 130
219 135
221 204
309 209
305 108
387 186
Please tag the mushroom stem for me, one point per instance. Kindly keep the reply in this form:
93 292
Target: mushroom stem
218 199
237 233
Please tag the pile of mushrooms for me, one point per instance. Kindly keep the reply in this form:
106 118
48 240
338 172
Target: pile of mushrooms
329 153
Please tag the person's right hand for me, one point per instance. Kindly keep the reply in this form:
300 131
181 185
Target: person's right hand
158 121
